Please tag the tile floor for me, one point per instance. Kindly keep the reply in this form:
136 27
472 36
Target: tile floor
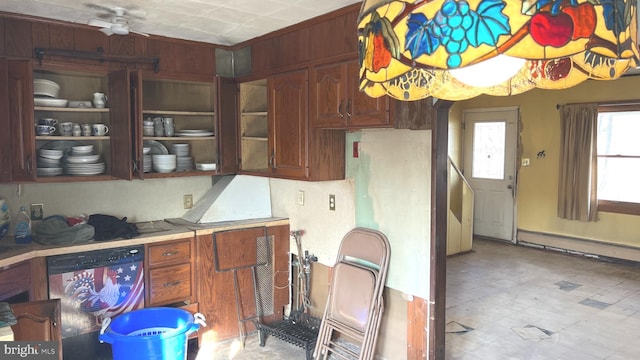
511 302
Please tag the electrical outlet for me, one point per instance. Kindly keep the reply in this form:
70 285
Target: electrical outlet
188 201
37 212
300 197
525 162
332 202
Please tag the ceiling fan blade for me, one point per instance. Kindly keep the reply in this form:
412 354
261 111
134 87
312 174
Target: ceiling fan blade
99 23
98 7
137 13
139 33
107 31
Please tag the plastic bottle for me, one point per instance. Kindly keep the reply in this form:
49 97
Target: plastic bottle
5 218
23 227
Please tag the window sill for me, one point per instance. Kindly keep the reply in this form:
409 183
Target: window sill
619 207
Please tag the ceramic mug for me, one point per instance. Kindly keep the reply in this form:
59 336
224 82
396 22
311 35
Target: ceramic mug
48 121
86 130
99 100
45 129
77 131
99 129
65 128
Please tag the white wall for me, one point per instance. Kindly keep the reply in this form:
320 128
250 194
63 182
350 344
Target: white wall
138 200
324 229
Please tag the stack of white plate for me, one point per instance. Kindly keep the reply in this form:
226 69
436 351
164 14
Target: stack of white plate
164 163
180 149
81 150
49 163
184 163
82 161
146 161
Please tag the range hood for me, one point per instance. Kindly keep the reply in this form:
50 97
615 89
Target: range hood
231 198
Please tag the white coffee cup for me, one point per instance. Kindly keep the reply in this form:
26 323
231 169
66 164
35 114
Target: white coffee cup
45 129
86 130
48 121
65 128
99 129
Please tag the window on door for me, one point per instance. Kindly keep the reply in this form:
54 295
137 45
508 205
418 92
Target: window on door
618 150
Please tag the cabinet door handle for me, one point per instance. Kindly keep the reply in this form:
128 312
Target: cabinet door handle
349 108
170 253
171 283
340 108
28 165
272 158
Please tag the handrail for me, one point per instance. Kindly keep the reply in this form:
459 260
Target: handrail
452 164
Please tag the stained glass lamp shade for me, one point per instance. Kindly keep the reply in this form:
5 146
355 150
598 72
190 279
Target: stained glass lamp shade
456 50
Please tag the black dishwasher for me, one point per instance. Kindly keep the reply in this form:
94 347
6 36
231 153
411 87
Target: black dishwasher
91 286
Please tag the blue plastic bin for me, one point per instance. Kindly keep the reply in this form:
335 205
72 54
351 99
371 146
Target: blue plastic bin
159 333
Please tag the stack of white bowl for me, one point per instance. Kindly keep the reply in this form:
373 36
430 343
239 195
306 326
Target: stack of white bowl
146 161
164 163
82 161
184 162
49 162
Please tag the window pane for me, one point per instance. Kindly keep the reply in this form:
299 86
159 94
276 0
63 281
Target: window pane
488 150
618 133
618 179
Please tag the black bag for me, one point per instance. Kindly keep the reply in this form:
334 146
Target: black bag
110 227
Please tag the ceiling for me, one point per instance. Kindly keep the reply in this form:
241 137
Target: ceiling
224 22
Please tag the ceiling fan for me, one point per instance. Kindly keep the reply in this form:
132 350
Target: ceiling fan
119 23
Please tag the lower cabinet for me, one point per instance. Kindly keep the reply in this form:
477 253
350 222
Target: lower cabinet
226 266
169 273
38 321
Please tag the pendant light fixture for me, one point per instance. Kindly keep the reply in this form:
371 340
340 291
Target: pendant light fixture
458 49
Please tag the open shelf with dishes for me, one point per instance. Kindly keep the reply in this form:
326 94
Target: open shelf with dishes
73 139
179 119
254 126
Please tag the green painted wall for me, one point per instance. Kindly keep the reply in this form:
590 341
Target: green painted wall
392 193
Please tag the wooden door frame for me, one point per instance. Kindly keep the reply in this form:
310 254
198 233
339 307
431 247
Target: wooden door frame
438 244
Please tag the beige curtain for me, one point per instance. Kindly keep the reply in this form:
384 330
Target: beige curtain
577 198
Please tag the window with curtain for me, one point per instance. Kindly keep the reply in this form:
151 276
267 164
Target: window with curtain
618 154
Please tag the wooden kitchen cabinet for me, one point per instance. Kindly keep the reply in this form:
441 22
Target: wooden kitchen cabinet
223 253
38 321
253 123
170 275
75 85
20 98
23 281
337 103
275 137
191 104
5 136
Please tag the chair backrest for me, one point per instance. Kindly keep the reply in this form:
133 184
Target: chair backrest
366 247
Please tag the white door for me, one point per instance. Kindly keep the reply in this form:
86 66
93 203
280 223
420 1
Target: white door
490 146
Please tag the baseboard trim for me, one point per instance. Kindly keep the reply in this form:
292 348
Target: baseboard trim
577 246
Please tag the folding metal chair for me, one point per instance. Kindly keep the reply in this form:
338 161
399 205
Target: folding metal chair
349 327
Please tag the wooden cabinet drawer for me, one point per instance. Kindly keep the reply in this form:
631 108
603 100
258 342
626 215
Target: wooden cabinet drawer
169 253
170 284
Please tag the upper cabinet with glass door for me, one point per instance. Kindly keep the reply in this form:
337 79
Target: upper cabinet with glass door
178 129
81 125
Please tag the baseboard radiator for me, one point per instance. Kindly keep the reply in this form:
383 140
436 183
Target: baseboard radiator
578 246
